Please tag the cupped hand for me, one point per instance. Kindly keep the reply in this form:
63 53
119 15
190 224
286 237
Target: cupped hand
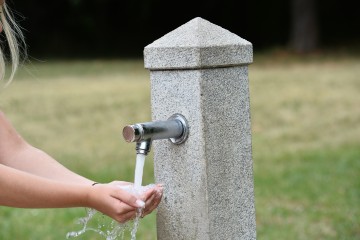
152 198
114 201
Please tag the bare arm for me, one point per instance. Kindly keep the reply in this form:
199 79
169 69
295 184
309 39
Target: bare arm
15 152
32 160
24 190
21 189
30 178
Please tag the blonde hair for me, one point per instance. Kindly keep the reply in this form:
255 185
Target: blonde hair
14 36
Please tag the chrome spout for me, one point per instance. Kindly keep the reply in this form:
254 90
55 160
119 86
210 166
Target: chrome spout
175 129
143 147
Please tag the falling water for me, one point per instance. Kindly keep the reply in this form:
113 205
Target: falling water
139 168
99 223
106 227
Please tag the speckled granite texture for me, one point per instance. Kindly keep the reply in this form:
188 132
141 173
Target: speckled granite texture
200 70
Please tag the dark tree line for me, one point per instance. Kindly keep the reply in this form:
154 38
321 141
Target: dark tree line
304 29
113 28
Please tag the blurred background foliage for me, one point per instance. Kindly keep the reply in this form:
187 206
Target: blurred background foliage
112 28
305 96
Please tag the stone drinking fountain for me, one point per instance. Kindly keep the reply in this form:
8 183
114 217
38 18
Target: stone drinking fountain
200 101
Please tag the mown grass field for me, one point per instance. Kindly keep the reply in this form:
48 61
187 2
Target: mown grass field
306 139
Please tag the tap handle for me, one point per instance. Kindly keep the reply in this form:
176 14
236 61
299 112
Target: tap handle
133 133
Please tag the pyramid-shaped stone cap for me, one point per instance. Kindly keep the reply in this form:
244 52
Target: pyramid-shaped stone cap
198 44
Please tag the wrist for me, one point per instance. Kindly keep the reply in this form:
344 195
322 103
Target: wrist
88 197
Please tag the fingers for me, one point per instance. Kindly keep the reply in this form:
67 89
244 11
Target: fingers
153 200
128 198
124 204
126 216
149 200
148 193
124 208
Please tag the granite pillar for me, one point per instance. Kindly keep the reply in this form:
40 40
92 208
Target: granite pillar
200 70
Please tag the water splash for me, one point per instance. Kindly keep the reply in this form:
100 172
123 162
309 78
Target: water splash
106 227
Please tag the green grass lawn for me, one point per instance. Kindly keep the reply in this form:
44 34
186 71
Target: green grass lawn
306 139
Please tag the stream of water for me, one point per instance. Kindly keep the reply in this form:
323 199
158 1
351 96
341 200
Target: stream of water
139 168
104 226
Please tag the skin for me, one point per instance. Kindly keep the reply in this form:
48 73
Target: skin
30 178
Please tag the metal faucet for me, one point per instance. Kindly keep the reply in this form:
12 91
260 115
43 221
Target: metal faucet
175 129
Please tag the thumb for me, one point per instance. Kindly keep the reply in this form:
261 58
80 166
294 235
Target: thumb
129 198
